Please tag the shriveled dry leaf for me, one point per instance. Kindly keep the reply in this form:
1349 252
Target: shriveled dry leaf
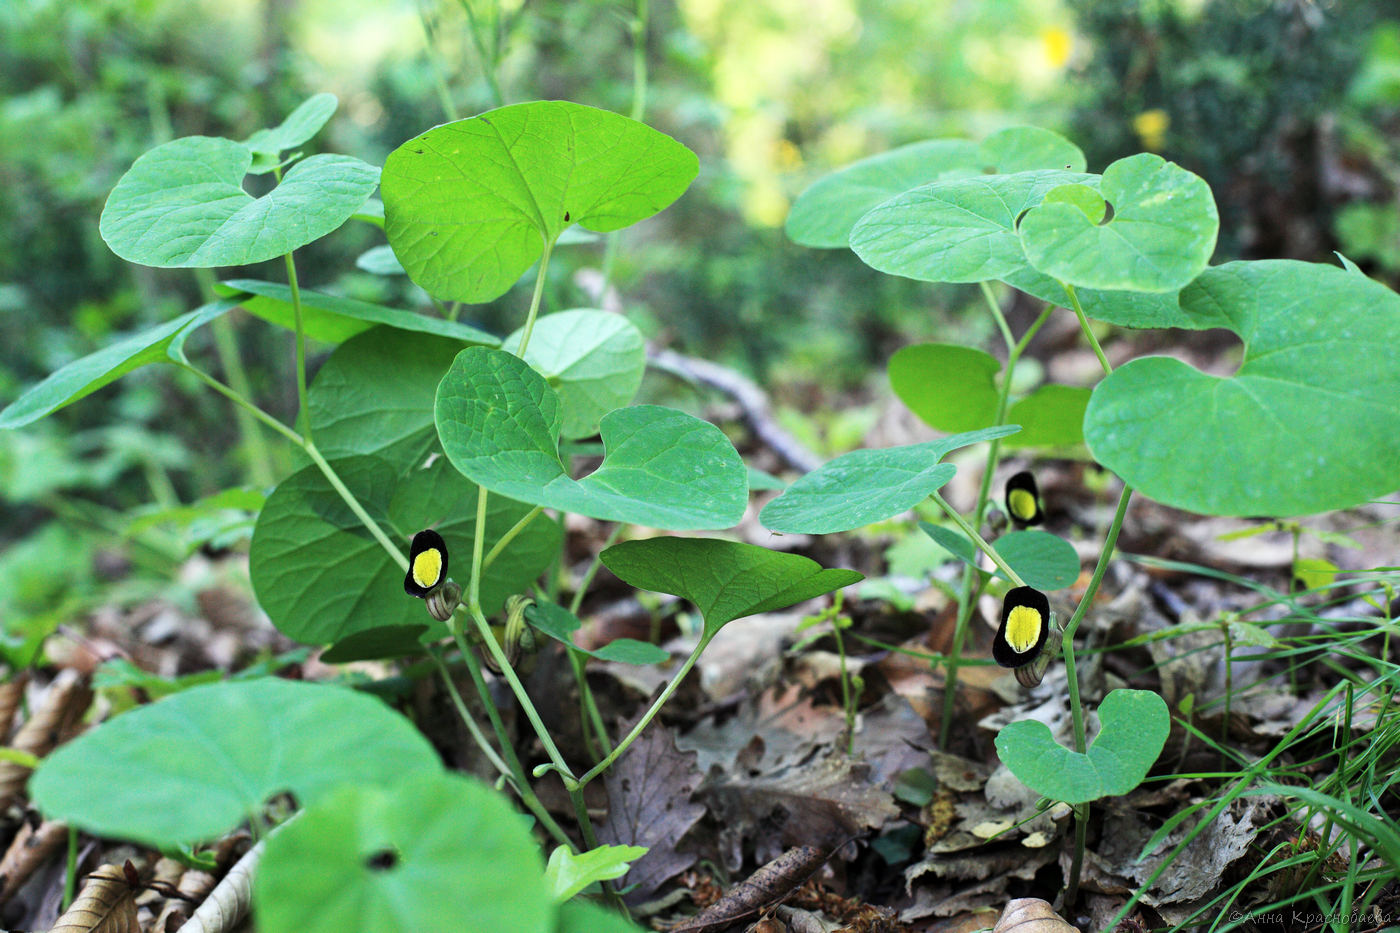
228 903
822 801
1031 915
649 805
55 719
11 695
949 899
789 728
107 904
28 851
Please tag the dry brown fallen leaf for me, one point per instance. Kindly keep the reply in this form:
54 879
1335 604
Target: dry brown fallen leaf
228 903
31 848
56 719
649 805
768 886
107 903
11 695
1031 915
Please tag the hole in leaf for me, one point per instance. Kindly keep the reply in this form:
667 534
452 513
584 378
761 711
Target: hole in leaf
383 860
1107 213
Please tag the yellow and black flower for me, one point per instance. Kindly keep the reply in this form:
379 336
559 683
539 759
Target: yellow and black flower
1025 623
1023 500
427 564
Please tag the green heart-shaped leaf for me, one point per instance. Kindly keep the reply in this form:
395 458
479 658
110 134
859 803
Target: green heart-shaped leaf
299 126
593 359
1134 723
1051 416
84 376
1026 149
825 213
1308 424
956 231
469 206
950 387
437 853
867 486
320 576
182 204
192 767
1042 560
499 423
560 624
1160 237
333 319
374 395
724 579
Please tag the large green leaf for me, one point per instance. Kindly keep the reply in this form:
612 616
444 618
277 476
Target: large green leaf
1308 424
867 486
374 395
1042 560
825 213
955 231
593 359
470 205
1051 416
724 579
582 917
950 387
438 853
192 767
84 376
560 624
321 577
1160 236
499 423
183 204
1135 724
334 319
299 126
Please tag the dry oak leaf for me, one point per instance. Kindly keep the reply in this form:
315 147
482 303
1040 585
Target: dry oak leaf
649 805
107 904
1031 915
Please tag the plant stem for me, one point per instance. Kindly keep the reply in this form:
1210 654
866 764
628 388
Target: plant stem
478 543
243 403
488 61
577 602
647 717
510 536
977 539
483 629
515 776
70 875
1084 326
535 300
226 348
449 107
638 28
303 416
334 479
966 599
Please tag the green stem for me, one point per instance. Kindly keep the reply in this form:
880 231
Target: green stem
515 776
333 478
243 403
647 717
638 28
1081 833
535 300
70 875
977 539
577 602
1014 349
595 736
488 61
226 348
478 543
488 638
303 416
510 536
1084 326
449 107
